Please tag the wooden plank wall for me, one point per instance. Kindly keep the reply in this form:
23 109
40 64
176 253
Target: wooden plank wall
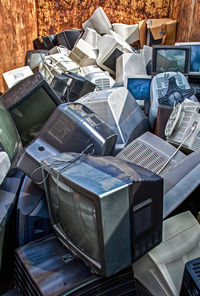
188 14
18 27
57 15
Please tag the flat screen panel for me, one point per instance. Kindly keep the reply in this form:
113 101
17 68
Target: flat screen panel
76 215
31 114
170 60
139 88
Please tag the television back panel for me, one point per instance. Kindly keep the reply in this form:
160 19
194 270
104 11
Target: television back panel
119 109
161 270
66 273
30 103
70 87
104 185
91 37
102 80
32 213
130 33
72 127
45 42
191 280
83 53
68 38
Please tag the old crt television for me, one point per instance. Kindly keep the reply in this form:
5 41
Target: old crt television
171 59
9 190
111 46
179 171
68 38
13 77
129 64
4 165
130 33
91 37
45 42
194 70
83 53
30 103
106 211
10 141
71 128
102 80
98 21
70 86
161 270
139 87
33 219
118 108
61 273
183 126
191 280
35 57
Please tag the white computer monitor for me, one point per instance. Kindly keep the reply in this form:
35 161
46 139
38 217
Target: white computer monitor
129 64
12 77
130 33
161 269
111 46
103 80
91 37
194 57
98 21
83 53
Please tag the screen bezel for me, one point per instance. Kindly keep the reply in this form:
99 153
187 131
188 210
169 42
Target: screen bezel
147 77
168 47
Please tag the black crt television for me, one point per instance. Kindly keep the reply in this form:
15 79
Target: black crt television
106 211
35 57
191 280
30 103
45 42
58 272
68 38
71 128
10 141
70 86
167 58
33 219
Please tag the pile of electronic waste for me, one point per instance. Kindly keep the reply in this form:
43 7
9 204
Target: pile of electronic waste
100 166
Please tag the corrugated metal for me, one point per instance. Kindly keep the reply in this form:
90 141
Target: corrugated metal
57 15
18 27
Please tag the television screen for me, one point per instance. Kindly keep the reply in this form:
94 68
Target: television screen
195 57
30 103
170 58
139 87
84 193
120 111
9 137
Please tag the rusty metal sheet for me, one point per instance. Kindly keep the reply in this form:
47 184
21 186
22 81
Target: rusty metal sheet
18 27
57 15
187 13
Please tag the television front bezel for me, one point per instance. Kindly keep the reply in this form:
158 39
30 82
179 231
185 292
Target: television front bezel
196 74
98 267
170 47
147 77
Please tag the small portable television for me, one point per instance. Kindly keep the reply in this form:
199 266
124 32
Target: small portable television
35 57
130 33
139 87
111 46
118 108
70 86
45 42
30 103
183 126
13 77
161 270
10 141
176 168
98 21
71 127
129 64
68 38
33 219
83 53
106 211
167 58
194 70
